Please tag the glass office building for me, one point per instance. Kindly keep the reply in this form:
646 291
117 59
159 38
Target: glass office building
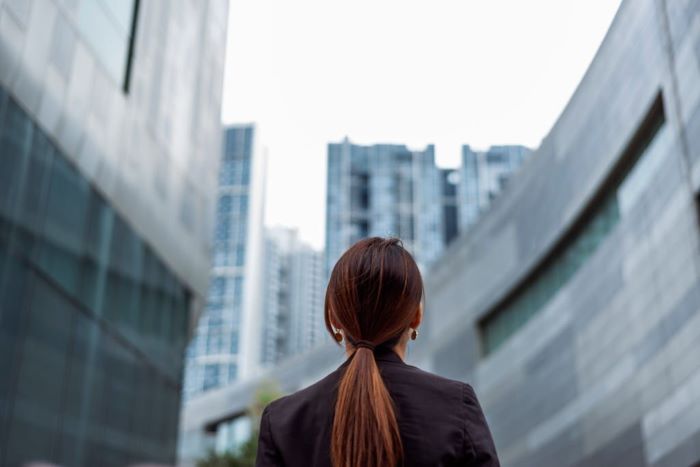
382 190
450 202
225 345
483 175
387 189
102 244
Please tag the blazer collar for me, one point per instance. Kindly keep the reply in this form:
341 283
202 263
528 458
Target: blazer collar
381 354
386 354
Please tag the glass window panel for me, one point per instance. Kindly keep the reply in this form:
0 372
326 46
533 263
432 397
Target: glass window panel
14 297
211 375
105 24
63 239
234 342
123 286
78 387
15 142
33 200
37 401
121 12
644 170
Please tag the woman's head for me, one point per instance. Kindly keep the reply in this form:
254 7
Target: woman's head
374 292
374 295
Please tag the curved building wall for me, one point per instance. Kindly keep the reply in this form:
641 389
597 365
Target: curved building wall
598 364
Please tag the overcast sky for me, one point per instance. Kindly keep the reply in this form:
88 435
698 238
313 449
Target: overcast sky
447 72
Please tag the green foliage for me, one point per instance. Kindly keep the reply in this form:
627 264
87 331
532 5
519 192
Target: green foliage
267 392
245 455
227 459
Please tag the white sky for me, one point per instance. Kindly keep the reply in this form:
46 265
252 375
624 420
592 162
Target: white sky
447 72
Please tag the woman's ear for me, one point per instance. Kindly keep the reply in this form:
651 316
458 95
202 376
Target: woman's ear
335 327
332 321
418 318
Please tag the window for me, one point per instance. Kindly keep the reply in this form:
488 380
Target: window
223 228
232 372
214 338
109 26
211 375
238 290
240 255
224 206
217 288
629 178
697 205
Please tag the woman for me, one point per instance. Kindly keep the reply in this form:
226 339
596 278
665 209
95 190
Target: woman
375 410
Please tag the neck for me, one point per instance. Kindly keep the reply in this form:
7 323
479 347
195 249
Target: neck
399 349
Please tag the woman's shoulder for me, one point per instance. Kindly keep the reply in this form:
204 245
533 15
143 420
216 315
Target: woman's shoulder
461 389
417 378
446 406
450 391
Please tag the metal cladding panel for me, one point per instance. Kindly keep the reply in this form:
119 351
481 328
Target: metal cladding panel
153 151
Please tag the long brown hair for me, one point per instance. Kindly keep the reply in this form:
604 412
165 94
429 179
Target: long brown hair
373 295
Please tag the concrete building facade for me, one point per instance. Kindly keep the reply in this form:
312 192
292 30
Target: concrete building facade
109 136
573 305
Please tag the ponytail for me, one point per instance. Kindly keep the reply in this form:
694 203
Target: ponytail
373 295
365 432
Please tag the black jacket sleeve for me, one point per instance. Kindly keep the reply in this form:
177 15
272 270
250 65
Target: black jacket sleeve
268 455
479 445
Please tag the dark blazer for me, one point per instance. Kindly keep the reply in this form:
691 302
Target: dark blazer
440 420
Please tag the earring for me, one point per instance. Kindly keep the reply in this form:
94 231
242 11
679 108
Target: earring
414 334
338 336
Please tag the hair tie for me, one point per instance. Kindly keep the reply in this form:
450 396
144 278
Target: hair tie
364 344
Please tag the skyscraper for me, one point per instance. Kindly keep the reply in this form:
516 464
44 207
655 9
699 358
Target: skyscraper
483 175
293 303
108 141
383 190
388 189
226 345
449 203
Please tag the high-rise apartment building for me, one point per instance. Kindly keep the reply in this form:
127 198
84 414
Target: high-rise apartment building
388 190
226 345
294 291
382 190
449 203
483 175
109 132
